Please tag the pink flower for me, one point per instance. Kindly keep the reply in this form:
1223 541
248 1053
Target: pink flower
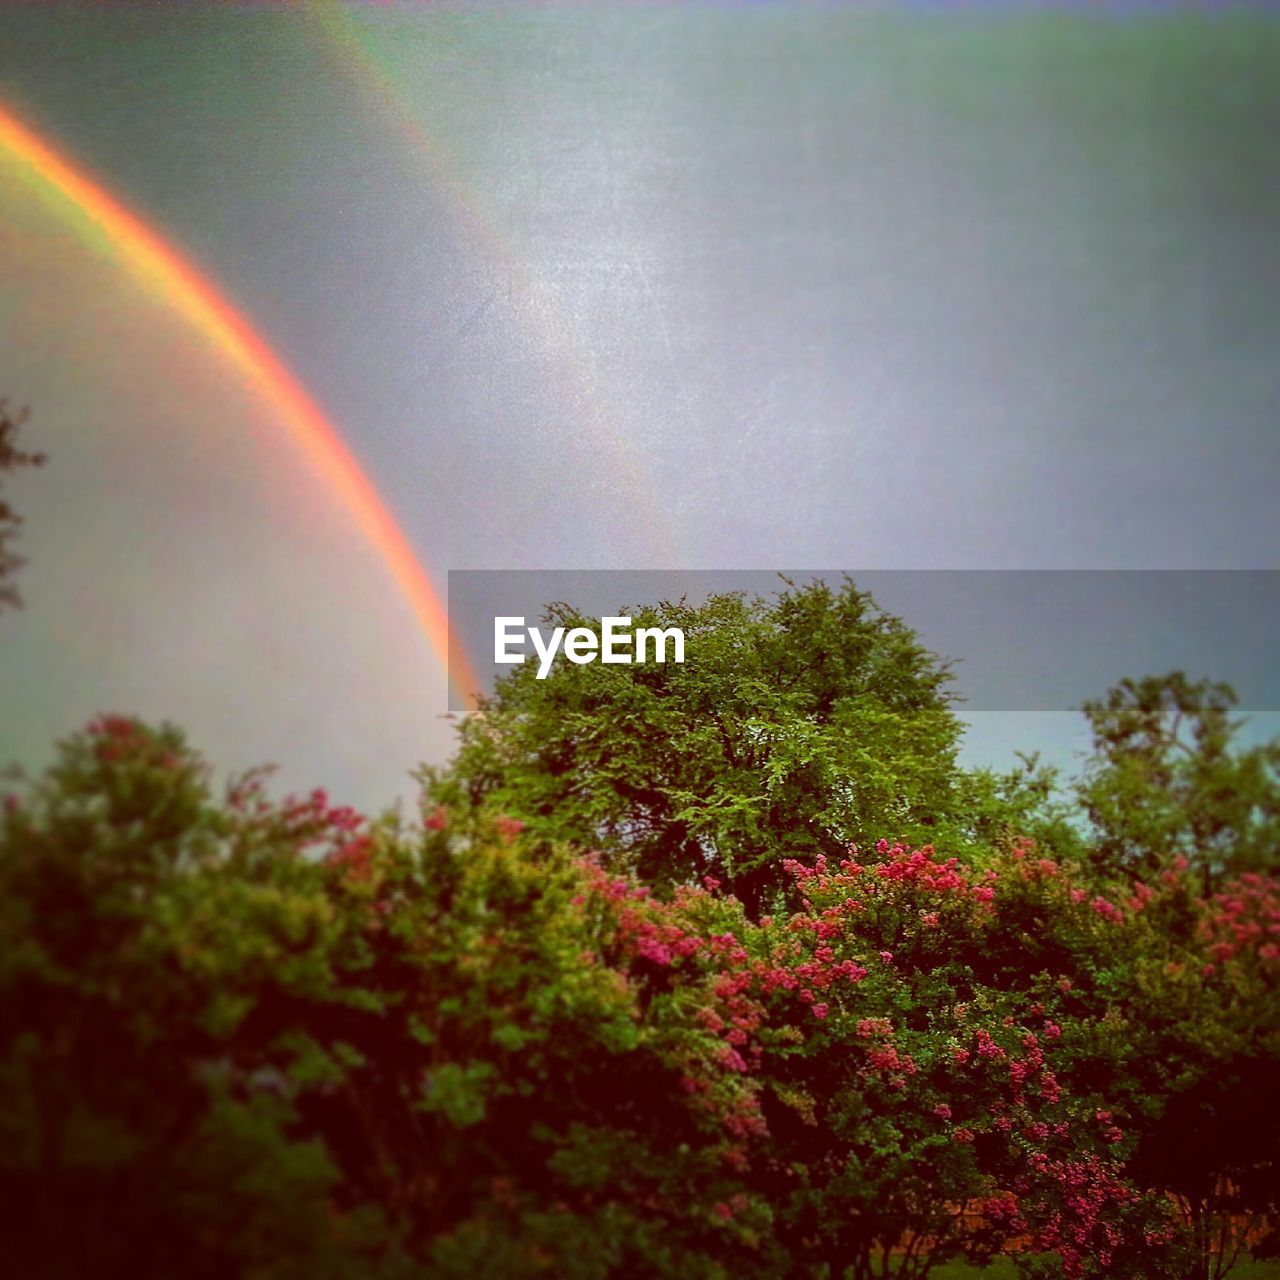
987 1047
942 1111
821 1010
652 949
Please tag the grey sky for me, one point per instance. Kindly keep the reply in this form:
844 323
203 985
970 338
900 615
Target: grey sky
933 286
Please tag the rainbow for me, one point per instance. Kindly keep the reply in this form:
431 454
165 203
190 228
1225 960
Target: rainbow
574 382
205 307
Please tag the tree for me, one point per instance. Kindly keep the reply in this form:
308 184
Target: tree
1215 1150
1167 1003
925 1100
1215 1139
12 460
252 1038
1167 781
793 727
134 1142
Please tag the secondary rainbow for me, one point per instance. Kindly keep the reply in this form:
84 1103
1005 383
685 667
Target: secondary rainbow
189 292
573 380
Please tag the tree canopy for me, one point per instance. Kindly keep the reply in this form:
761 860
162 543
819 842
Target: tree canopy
795 726
1168 780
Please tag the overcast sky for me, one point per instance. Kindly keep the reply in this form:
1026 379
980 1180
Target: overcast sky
933 286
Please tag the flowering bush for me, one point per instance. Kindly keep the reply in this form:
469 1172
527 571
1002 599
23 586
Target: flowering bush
388 1044
934 1099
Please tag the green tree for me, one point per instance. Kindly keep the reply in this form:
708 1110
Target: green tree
245 1038
794 726
12 460
133 1142
1168 780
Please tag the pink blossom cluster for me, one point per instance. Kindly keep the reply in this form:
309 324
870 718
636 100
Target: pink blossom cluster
1073 1211
117 737
1242 923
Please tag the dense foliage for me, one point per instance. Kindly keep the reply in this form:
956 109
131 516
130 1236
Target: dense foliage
641 993
246 1037
795 726
1168 781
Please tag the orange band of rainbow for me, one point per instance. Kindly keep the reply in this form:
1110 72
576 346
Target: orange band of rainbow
185 289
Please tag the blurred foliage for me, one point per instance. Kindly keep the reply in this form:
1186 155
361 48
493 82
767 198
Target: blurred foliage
1167 781
12 460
